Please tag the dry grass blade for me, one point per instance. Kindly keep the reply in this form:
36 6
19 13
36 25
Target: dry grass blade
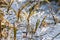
14 32
9 6
3 6
11 1
24 6
32 8
2 18
43 23
47 1
6 2
18 15
1 15
25 14
30 14
32 11
37 24
19 11
28 27
3 2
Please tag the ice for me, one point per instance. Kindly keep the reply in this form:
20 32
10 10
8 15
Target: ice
45 33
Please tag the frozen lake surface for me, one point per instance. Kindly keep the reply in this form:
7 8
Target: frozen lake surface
50 32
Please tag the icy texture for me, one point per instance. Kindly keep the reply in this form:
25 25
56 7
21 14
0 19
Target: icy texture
50 32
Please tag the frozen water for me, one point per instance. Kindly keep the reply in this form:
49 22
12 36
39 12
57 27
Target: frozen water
44 33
